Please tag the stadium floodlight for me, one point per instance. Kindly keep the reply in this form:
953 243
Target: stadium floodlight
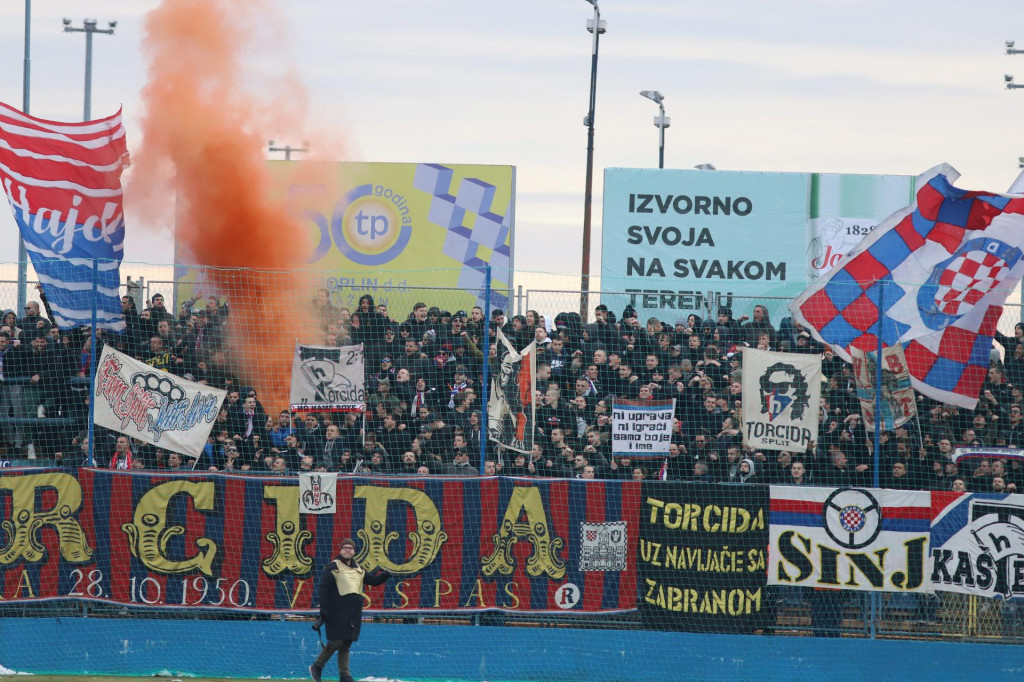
287 149
89 27
660 121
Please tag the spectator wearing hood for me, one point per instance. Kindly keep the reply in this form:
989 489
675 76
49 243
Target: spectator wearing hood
748 472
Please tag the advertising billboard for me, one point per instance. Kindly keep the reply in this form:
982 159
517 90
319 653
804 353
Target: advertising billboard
687 241
387 229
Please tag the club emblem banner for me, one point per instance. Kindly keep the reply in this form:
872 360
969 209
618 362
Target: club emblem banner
327 379
642 428
781 394
242 542
154 406
702 557
511 410
899 405
977 544
849 538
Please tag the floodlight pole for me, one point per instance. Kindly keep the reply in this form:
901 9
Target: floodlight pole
26 79
596 27
89 27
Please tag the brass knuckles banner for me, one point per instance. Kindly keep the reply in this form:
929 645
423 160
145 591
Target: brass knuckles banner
702 557
239 542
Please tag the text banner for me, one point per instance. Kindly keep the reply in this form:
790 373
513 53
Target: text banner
152 405
642 428
241 542
849 538
701 557
977 544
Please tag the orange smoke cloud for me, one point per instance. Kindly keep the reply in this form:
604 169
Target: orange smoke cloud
203 145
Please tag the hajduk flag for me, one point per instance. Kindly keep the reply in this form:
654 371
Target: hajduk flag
328 379
933 278
63 181
152 405
781 396
511 410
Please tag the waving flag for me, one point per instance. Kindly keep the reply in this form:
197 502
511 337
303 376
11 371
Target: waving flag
933 277
63 181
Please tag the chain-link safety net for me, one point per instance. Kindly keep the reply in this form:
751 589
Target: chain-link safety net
509 462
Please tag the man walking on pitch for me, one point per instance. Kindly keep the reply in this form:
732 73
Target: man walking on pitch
341 607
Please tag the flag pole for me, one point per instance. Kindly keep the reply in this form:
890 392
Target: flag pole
484 397
878 428
92 364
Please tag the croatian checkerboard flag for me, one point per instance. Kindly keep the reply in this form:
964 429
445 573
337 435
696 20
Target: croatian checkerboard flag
933 277
63 181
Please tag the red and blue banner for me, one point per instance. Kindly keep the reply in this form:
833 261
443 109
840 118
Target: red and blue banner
240 542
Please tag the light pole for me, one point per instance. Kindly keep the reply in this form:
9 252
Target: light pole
26 78
595 26
1010 85
660 121
288 149
88 28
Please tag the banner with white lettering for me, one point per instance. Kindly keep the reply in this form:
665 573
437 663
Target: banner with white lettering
899 404
318 493
849 538
701 557
781 396
327 379
977 544
642 428
152 405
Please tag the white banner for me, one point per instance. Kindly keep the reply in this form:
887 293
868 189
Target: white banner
327 379
642 428
154 406
849 538
318 493
781 398
977 544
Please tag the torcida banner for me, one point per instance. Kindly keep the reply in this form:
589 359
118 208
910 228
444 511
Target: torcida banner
243 542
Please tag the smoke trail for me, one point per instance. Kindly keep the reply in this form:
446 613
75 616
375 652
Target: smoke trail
203 144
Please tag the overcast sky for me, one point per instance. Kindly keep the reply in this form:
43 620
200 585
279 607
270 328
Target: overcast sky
861 86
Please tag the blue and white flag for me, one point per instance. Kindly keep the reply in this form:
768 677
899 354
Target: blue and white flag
63 181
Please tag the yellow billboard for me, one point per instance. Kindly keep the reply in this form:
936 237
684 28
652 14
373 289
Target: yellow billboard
392 229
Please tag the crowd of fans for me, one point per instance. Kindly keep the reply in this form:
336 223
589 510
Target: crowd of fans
424 414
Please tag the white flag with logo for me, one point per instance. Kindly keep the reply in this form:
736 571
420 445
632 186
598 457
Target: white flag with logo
152 405
318 493
781 399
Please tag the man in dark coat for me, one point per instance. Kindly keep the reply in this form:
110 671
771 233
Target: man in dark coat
341 607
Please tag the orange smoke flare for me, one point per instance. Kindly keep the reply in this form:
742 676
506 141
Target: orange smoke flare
203 144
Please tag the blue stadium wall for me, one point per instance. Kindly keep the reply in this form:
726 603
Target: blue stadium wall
278 649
